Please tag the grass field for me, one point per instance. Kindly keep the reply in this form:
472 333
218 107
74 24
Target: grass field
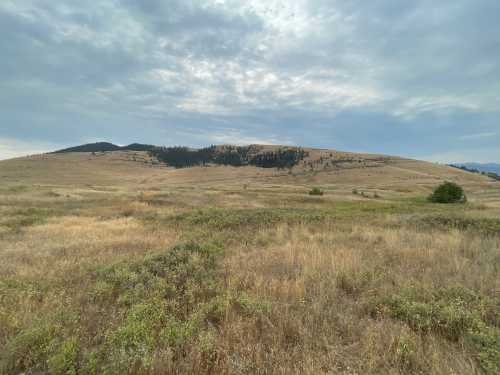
145 270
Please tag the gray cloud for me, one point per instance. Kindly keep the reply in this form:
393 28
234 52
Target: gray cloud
414 78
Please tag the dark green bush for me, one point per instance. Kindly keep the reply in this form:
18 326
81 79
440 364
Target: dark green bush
316 191
448 192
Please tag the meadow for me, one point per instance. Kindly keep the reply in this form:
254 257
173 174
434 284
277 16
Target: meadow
246 279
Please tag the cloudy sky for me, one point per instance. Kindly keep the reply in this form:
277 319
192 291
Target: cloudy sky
413 78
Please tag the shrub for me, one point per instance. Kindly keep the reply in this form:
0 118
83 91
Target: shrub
316 191
456 314
448 192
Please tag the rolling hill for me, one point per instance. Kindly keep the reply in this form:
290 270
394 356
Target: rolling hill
137 166
220 261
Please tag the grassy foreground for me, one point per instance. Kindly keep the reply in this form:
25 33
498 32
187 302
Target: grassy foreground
245 281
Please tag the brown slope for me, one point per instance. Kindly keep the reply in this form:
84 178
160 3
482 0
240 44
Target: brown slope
329 168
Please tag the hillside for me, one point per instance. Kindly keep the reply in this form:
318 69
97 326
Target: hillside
115 262
338 170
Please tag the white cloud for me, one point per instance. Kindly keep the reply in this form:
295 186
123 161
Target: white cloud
484 155
12 148
271 69
469 137
237 138
412 107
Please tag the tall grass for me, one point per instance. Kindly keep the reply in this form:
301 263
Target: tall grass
114 282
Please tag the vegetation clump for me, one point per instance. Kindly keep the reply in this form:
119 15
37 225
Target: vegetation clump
236 156
484 226
448 192
316 191
456 314
162 302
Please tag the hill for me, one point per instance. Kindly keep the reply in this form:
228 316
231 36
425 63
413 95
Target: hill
145 165
141 262
483 167
105 147
90 147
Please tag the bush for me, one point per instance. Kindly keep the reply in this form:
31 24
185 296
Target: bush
448 192
316 191
457 314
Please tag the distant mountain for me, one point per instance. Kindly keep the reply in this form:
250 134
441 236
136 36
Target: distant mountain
491 170
138 147
105 147
91 147
483 167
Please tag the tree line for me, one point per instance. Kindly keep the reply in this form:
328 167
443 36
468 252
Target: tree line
181 157
492 175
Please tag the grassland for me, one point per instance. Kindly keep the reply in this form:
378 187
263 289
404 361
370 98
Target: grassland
135 268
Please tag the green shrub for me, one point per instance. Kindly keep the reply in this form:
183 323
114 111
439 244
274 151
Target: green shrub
237 218
29 349
456 314
353 282
483 225
249 305
26 217
64 360
316 191
448 192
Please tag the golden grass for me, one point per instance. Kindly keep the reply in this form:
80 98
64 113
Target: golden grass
321 282
128 170
63 244
91 281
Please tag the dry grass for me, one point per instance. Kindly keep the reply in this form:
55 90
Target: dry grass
134 170
65 244
248 277
322 284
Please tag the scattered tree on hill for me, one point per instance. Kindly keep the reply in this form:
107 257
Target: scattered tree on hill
492 175
448 192
181 157
105 147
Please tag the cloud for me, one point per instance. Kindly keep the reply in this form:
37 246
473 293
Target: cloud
12 148
291 71
469 137
464 156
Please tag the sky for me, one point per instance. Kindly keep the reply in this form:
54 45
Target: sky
412 78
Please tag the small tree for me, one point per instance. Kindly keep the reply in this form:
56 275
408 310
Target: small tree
448 192
315 191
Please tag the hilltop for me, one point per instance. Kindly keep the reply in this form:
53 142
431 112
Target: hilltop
105 147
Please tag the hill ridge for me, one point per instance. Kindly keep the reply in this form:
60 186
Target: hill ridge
105 147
